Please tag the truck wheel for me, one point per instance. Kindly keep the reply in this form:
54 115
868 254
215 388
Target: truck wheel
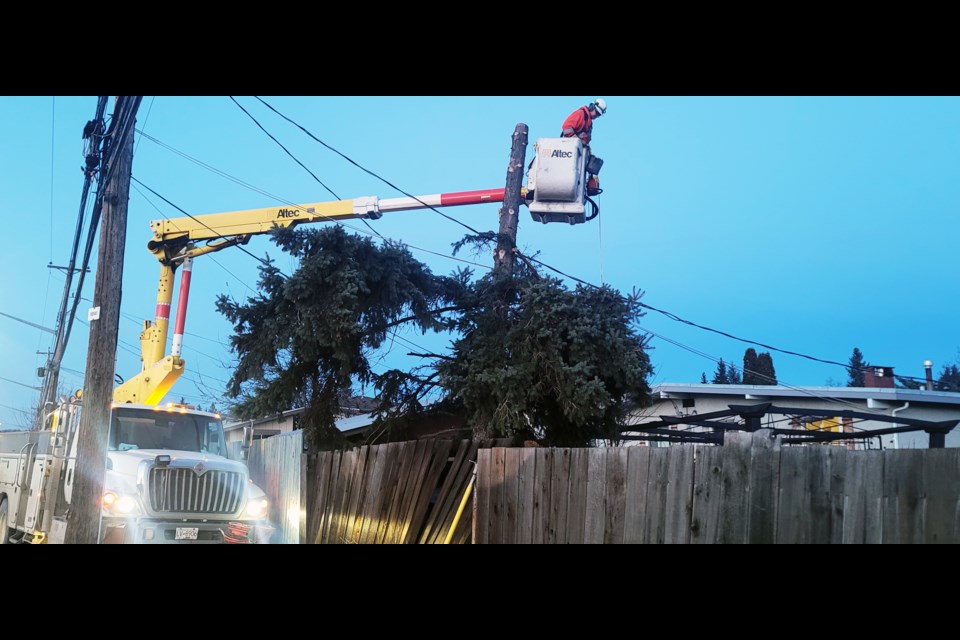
4 530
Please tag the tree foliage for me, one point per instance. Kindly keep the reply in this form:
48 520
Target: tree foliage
765 370
949 379
855 369
537 360
726 374
758 368
750 367
530 357
306 338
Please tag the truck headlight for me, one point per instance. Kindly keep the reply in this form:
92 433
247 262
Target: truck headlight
119 504
257 507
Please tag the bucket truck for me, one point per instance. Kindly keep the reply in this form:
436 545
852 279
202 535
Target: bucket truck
168 477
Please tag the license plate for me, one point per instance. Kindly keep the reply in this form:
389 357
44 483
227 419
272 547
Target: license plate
187 533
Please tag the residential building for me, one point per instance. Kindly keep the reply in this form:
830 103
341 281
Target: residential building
684 400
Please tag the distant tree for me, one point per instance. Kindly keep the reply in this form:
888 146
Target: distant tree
856 368
750 367
720 376
733 375
949 379
703 378
765 370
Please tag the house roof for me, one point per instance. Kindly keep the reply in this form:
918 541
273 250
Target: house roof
348 426
872 395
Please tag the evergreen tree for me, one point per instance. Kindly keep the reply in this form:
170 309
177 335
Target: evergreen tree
703 378
765 371
305 339
733 375
530 358
720 375
538 361
855 369
750 368
949 379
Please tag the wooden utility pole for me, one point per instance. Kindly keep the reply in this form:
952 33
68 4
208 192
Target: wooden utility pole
83 522
503 257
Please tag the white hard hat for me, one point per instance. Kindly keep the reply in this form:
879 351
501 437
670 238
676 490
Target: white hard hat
601 105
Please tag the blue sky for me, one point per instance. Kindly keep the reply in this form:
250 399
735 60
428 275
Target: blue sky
809 224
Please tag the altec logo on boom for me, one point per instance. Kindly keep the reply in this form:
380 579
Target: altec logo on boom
288 213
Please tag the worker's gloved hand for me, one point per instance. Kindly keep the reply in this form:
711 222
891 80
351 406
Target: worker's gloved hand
585 139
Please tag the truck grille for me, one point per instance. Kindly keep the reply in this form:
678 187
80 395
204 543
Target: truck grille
183 491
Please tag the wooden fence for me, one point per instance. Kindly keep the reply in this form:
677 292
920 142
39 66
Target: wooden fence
748 491
276 466
398 493
407 492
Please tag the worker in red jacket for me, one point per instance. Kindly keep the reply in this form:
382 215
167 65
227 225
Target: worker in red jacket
580 124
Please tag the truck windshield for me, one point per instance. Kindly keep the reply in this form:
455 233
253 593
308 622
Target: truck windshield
148 429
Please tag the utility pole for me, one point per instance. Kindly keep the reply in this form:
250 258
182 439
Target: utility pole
83 522
93 134
503 256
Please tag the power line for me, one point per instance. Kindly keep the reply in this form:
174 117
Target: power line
291 203
20 383
147 117
27 322
799 390
677 318
362 168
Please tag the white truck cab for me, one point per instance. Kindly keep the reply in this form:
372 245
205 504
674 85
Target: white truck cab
168 480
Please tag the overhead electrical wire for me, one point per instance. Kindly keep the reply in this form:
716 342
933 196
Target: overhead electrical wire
364 169
677 318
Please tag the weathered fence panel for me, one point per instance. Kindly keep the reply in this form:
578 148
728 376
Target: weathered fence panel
679 497
616 497
707 489
275 466
941 476
526 472
837 468
902 489
575 528
656 501
404 493
635 494
747 491
559 497
735 488
594 505
763 488
543 474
